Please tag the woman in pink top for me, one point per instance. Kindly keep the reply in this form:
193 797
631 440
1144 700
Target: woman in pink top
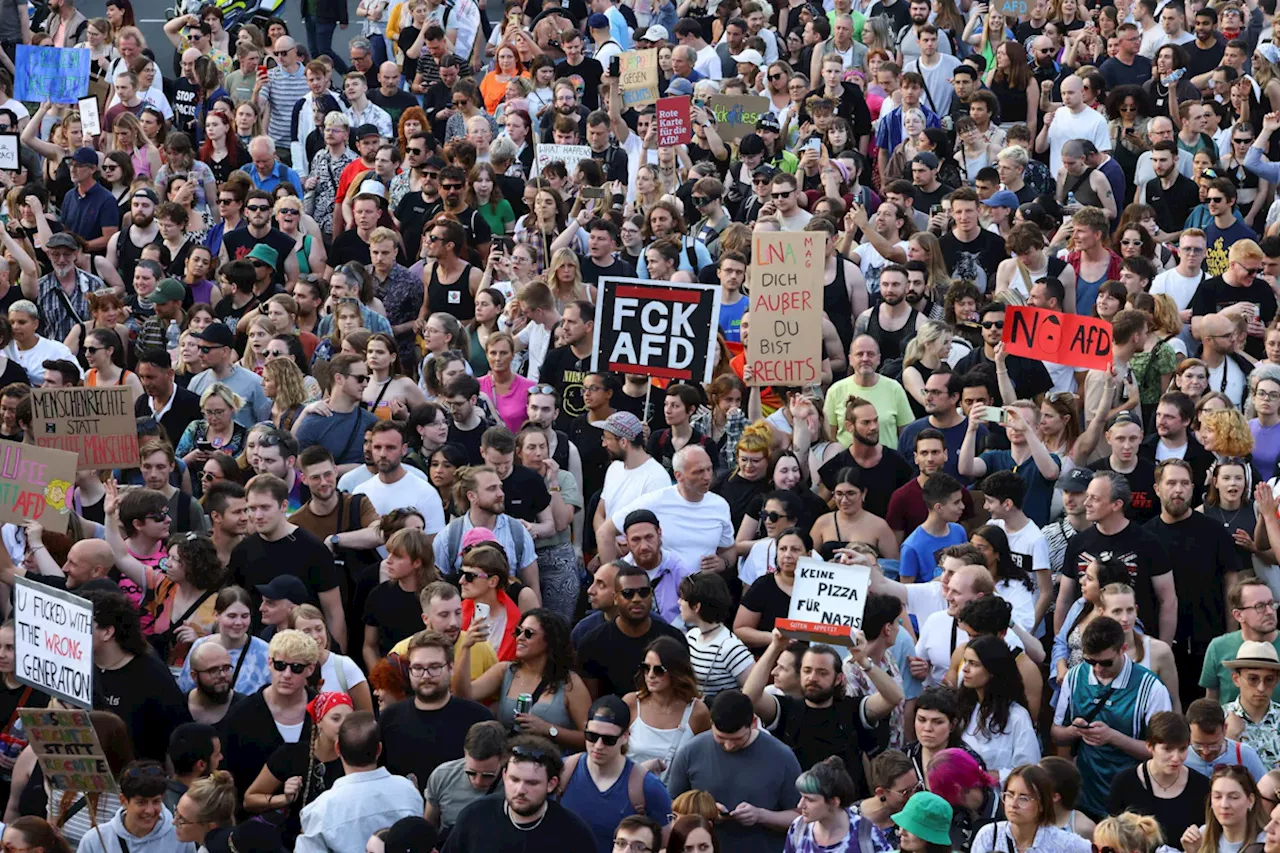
507 391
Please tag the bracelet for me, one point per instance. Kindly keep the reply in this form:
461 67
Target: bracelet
554 489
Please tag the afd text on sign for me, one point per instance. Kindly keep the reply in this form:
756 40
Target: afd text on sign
656 328
1058 338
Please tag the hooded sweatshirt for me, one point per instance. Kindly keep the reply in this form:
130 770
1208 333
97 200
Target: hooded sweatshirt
162 838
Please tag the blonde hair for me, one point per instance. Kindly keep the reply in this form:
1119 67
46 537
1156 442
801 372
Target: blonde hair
756 438
1231 432
1165 315
1245 250
293 644
577 291
416 545
222 392
928 335
1129 831
215 798
290 390
938 276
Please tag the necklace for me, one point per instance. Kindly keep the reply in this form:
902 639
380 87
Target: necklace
1157 783
1227 522
506 809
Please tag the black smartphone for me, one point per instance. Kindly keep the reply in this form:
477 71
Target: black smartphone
615 66
503 244
935 210
206 446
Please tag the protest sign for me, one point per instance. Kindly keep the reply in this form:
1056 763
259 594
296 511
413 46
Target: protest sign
826 601
567 154
57 74
736 115
639 78
9 152
34 482
1013 8
66 745
785 344
674 125
89 118
53 641
95 423
1055 337
656 328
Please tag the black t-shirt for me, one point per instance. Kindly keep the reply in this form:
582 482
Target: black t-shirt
564 371
469 440
293 759
526 494
766 598
891 472
591 271
395 613
1030 378
256 561
1116 73
899 13
1173 205
396 104
976 260
1206 553
587 74
1214 294
1142 553
1203 60
239 242
484 825
823 732
1142 482
413 212
1025 31
417 742
926 200
348 246
624 402
612 657
1175 815
741 494
590 443
184 96
229 314
144 695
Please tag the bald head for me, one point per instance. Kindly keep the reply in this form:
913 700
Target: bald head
285 44
209 656
88 559
1214 326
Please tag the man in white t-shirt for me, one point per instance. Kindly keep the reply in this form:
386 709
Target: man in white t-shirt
27 348
1182 282
395 487
882 240
1073 120
935 66
941 633
1003 494
633 473
696 526
539 309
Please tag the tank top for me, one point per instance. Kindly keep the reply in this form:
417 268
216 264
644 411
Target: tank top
551 707
1013 103
454 298
128 254
91 378
648 742
1083 192
835 301
892 344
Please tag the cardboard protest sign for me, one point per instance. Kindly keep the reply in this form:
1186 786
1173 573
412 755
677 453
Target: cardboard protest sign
674 124
827 601
786 276
656 328
53 641
34 482
736 115
567 154
1055 337
97 424
89 118
66 745
57 74
639 80
9 152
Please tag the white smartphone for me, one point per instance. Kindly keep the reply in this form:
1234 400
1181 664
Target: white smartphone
482 612
994 414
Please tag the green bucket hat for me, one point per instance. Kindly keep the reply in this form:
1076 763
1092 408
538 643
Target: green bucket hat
926 816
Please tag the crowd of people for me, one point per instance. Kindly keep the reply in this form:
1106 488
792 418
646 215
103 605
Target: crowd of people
402 569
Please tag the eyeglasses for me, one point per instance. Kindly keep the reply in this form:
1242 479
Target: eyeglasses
993 324
257 207
636 592
1269 396
1020 799
289 211
1215 199
530 753
1249 272
633 846
295 668
1262 607
653 669
214 670
226 201
479 774
524 633
1105 664
609 740
906 792
431 669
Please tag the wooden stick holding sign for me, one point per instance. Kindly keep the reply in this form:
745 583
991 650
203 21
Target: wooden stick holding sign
827 601
1058 338
784 346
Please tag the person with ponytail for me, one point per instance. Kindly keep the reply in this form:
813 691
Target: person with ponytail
206 813
297 773
1129 832
749 483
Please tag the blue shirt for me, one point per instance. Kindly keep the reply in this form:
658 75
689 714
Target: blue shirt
280 173
1039 490
731 319
919 548
213 240
954 436
341 434
88 215
602 810
1236 753
889 133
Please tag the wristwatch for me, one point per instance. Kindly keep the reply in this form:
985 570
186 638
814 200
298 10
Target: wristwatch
553 732
333 541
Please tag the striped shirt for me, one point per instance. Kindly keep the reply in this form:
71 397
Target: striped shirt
281 91
717 661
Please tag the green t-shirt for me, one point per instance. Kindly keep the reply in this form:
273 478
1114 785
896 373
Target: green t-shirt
886 395
497 216
1215 675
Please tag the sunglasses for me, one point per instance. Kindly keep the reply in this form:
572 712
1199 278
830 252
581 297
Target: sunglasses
524 633
257 207
418 151
543 389
461 103
774 517
993 324
472 577
359 377
592 737
653 669
1105 664
480 774
205 350
226 201
295 668
451 186
777 76
158 516
1242 141
701 201
786 194
1215 199
636 592
92 350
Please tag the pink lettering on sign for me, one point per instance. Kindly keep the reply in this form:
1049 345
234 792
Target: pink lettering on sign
785 346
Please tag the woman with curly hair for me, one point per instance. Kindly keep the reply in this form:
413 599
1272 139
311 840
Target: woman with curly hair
960 310
1225 433
542 667
993 701
282 382
667 710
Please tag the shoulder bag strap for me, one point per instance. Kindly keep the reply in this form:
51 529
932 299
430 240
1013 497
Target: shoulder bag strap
355 427
190 610
66 301
635 787
244 653
26 694
866 843
76 808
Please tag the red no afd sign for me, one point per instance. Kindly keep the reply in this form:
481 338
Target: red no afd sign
1058 338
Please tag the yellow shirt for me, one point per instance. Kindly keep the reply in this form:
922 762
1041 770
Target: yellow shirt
482 655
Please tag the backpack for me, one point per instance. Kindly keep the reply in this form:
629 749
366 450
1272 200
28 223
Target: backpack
453 544
635 781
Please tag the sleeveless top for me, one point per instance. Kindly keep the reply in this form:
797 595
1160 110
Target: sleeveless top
648 742
551 706
835 301
128 254
1013 102
455 298
892 344
91 378
303 254
1083 192
970 167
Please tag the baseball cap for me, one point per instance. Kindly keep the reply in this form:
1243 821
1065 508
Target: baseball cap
764 170
366 130
596 21
217 334
373 188
285 588
1003 198
927 159
1076 480
656 33
679 86
85 157
1125 417
167 290
610 709
410 835
147 193
750 56
768 121
639 516
264 253
476 535
623 425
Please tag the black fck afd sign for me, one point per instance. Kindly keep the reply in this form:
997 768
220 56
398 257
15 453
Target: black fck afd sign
656 328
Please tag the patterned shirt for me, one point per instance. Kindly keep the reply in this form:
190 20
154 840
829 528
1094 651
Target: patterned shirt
858 684
327 170
1056 534
399 189
996 838
281 91
374 115
401 296
55 320
800 837
1264 736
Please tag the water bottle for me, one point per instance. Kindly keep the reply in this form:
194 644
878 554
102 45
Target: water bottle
1071 199
171 340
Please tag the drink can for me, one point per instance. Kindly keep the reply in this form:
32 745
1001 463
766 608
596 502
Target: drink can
524 702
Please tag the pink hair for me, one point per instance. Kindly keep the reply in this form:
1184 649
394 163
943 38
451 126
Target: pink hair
954 771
